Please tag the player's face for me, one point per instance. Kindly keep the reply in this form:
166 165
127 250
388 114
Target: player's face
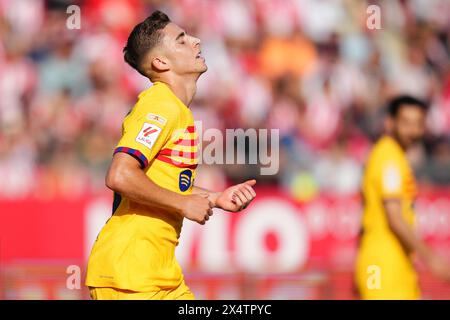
183 51
409 125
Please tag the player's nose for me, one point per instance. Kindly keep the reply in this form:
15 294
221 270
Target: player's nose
196 41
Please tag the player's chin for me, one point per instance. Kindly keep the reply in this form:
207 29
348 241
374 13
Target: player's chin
201 69
202 65
198 68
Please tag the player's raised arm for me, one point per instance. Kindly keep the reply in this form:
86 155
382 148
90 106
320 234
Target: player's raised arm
233 199
126 177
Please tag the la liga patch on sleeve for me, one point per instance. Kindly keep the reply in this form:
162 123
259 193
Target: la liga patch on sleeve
148 135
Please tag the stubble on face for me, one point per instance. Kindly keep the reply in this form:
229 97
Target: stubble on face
409 126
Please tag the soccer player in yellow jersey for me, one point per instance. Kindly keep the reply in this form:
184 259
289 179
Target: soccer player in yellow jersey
384 267
152 173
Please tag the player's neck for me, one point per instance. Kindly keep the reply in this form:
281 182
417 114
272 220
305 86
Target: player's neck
397 140
183 87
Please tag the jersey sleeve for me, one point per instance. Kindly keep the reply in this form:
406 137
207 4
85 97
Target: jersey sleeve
144 135
390 182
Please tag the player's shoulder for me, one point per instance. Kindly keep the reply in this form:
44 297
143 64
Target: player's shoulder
158 97
156 103
385 152
386 147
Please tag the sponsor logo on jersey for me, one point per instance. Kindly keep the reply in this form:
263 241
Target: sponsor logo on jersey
157 118
185 180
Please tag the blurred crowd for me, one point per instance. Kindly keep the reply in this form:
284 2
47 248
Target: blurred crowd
313 69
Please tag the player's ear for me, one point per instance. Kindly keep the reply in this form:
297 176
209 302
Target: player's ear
159 64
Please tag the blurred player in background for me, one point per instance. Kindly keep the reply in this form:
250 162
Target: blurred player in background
388 237
153 171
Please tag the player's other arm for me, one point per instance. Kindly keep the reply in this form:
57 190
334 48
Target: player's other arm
126 177
407 237
233 199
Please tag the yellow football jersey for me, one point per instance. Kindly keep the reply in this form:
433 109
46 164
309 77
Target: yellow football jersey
387 175
135 250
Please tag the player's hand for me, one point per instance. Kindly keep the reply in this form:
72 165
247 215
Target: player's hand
197 207
237 197
439 267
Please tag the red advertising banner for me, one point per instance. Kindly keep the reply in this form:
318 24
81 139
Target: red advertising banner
276 245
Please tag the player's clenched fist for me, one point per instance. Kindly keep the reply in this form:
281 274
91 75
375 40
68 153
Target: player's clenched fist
197 208
237 197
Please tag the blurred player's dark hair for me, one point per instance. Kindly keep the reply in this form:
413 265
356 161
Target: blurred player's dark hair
145 36
405 100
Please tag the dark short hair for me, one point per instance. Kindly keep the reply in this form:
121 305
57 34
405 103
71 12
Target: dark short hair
400 101
144 37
